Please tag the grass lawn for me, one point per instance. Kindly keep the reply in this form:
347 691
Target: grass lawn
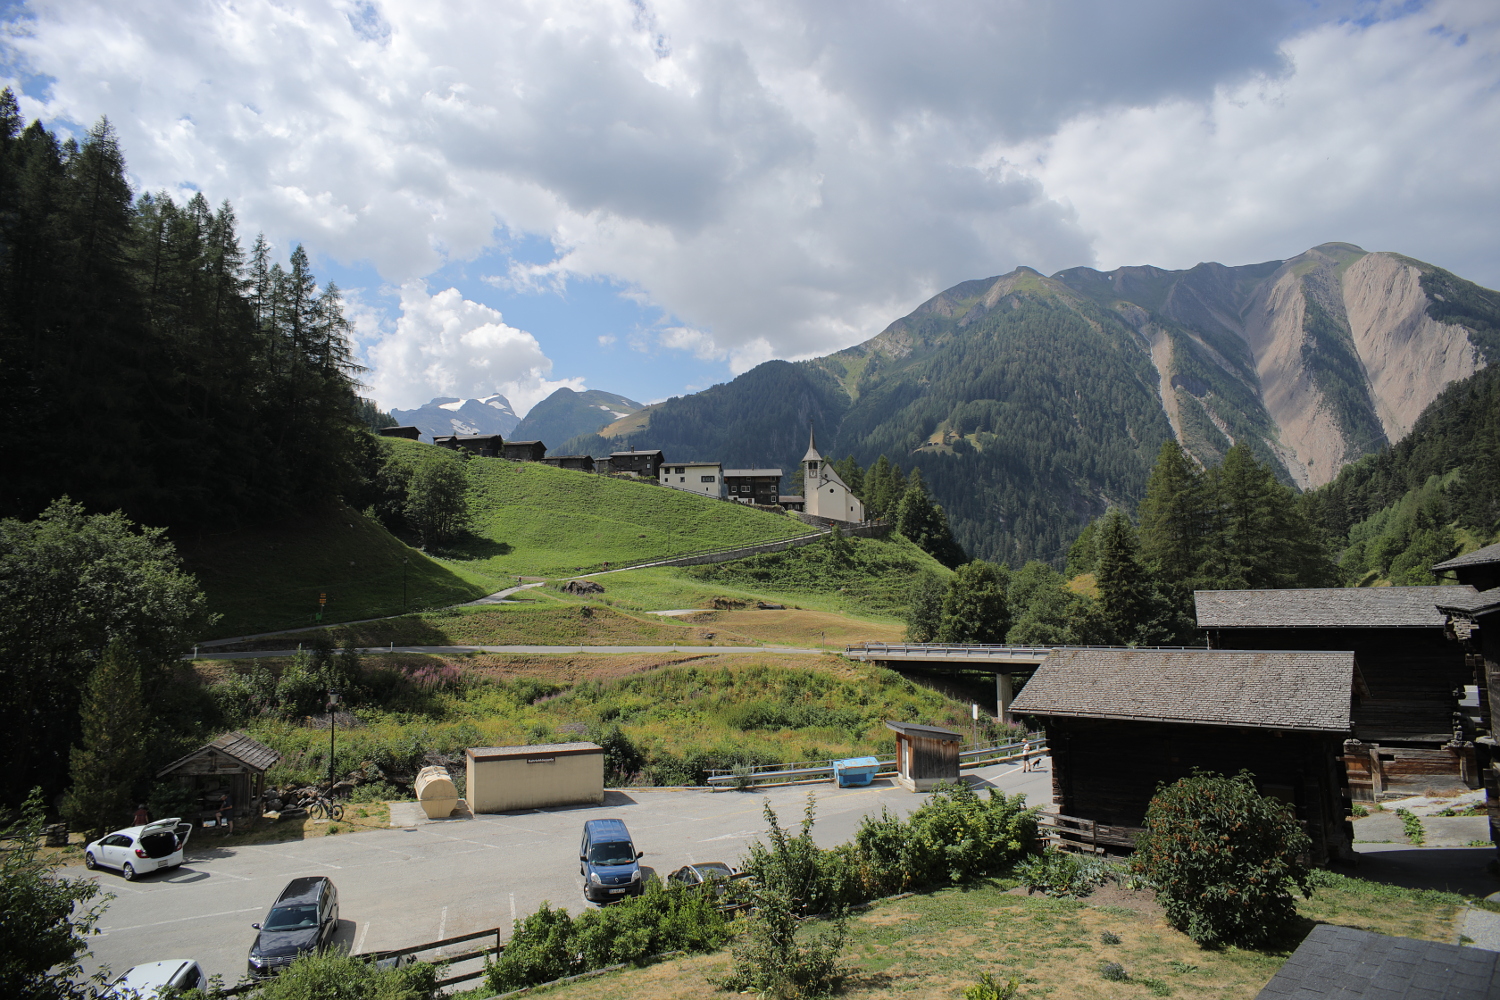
266 578
937 944
534 520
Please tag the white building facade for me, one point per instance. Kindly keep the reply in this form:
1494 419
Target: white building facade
824 493
703 478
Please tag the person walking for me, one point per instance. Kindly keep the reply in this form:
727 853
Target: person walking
142 817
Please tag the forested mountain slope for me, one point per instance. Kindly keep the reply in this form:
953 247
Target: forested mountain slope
566 414
1030 403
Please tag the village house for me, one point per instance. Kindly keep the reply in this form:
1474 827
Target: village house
757 486
1121 721
703 478
640 464
1413 725
1479 569
524 451
233 765
409 433
579 463
483 445
1474 625
824 493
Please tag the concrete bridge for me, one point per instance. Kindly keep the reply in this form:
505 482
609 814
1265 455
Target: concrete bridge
1001 660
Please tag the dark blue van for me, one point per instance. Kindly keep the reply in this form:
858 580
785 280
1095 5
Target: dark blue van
608 861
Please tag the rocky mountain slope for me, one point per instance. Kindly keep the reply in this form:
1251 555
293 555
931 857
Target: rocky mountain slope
566 414
1031 402
445 415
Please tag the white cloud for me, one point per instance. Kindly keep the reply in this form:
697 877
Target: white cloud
447 345
785 178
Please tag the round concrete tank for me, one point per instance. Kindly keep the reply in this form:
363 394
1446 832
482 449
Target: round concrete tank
436 792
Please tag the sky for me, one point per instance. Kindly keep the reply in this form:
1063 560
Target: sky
652 197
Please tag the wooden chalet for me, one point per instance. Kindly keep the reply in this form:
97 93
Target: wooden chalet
524 451
757 486
483 445
1479 569
792 503
642 464
1121 721
410 433
925 755
233 763
1410 725
1474 626
579 463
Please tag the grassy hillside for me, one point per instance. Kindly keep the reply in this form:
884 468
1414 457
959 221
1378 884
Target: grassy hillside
535 520
678 714
266 578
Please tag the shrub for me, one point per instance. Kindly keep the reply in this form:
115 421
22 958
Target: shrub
955 836
1109 937
1223 859
769 961
336 974
811 879
1058 873
540 950
1114 972
1411 825
987 989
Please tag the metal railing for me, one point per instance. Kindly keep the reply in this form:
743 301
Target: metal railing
918 650
1031 744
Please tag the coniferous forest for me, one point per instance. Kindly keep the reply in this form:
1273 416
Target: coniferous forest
149 362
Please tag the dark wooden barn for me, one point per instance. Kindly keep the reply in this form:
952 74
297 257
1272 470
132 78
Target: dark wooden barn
1121 721
1410 725
1474 627
1479 569
410 433
643 464
483 445
524 451
233 763
757 486
579 463
925 755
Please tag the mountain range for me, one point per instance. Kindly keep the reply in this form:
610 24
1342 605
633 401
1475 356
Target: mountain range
1031 402
490 414
568 413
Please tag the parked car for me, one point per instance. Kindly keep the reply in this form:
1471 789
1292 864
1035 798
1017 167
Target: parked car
303 920
145 982
140 849
608 861
696 876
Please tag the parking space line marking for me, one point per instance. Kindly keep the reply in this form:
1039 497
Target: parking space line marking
176 920
512 908
360 948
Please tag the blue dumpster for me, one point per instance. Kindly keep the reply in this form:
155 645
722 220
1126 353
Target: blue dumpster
855 771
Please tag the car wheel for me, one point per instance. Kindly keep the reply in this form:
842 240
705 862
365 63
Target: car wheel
88 860
128 871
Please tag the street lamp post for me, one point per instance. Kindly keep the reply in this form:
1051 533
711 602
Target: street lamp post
333 704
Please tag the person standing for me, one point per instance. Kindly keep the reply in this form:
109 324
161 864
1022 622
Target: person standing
142 817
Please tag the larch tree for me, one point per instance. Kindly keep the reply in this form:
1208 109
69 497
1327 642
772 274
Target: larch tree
1173 517
109 762
1124 588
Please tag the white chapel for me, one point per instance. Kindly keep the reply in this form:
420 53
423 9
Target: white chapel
825 493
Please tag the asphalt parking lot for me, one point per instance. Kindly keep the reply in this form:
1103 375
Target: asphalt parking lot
408 886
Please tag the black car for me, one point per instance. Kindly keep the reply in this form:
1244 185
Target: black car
302 920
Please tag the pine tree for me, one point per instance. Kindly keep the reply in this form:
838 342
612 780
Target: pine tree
852 475
924 523
1082 556
975 608
1124 591
1173 517
111 759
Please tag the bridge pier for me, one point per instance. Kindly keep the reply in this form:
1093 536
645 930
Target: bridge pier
1003 697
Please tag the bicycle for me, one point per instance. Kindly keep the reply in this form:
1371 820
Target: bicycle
323 807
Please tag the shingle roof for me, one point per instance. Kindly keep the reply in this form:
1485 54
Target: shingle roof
923 732
251 753
1487 556
752 472
1470 604
1274 690
1332 607
1341 963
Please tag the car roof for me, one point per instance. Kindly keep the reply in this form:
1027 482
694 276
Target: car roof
717 866
152 974
303 890
607 828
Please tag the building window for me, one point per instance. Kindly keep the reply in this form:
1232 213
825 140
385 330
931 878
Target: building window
708 479
682 479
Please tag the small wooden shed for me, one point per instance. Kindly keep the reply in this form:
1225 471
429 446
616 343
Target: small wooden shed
1122 721
525 451
503 779
483 445
579 463
641 464
925 755
410 433
233 763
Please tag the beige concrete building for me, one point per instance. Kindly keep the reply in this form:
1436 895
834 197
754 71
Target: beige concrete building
504 779
704 478
824 493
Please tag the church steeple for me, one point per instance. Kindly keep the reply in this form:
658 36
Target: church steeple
812 447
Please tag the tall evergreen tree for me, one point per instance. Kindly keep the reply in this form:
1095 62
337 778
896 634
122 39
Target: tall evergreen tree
924 522
111 759
852 475
1173 517
1124 590
975 608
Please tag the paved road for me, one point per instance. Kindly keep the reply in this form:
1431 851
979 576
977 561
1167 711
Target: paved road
684 648
408 886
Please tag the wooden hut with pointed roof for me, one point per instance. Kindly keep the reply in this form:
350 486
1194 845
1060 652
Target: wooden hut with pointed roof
1479 569
233 763
1119 722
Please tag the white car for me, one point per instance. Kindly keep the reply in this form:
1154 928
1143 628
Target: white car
145 982
140 849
